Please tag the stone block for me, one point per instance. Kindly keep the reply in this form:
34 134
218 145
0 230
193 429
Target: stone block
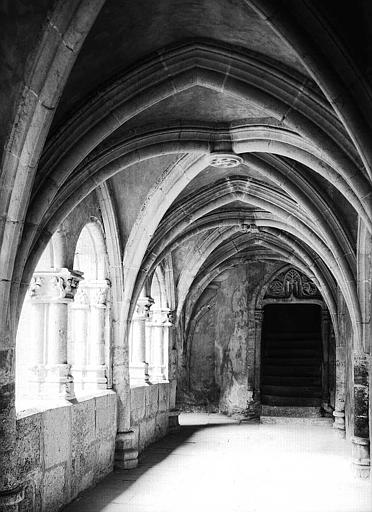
173 420
172 394
83 469
152 400
29 429
54 488
106 420
57 435
104 458
137 404
146 433
161 425
164 396
6 365
32 493
83 425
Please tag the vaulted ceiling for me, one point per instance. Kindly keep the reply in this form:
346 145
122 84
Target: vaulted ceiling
160 90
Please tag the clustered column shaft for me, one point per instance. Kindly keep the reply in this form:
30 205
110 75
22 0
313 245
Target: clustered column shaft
138 365
48 369
360 440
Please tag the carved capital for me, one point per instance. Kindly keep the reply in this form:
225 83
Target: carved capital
54 284
171 317
143 306
81 297
161 317
103 293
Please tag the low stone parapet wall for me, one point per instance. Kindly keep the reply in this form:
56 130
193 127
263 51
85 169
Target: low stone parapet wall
150 413
65 448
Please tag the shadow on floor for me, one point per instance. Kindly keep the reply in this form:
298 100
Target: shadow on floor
119 482
220 465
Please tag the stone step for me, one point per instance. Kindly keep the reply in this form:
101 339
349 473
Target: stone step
291 401
291 380
283 352
291 361
293 340
305 412
293 371
292 391
299 337
287 420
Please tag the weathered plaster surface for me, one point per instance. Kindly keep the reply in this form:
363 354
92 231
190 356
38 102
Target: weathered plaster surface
221 348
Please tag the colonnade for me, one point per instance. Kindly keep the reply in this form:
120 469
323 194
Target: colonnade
62 336
149 342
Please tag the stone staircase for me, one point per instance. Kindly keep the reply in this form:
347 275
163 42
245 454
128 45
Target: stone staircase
291 370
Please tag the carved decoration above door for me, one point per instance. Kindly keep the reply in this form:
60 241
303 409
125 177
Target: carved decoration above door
292 283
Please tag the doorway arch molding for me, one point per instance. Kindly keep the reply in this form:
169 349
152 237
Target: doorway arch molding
261 301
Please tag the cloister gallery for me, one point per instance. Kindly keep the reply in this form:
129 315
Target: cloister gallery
186 225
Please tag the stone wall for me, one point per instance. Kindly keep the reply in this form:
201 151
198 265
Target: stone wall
149 413
220 360
221 343
65 449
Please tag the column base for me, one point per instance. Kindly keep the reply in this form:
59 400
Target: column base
157 379
34 384
139 374
173 420
59 382
89 378
126 451
360 457
9 499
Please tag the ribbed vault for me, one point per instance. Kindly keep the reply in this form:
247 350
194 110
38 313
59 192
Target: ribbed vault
206 139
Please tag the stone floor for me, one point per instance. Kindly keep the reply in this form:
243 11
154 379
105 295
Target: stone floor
215 464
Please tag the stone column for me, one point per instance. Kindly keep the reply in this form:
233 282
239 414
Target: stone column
360 439
339 412
173 415
79 316
62 285
325 362
258 321
138 367
33 368
159 338
96 369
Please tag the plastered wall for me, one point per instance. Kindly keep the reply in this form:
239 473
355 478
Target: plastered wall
220 352
220 361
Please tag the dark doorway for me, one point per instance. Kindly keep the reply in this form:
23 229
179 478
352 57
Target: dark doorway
291 355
